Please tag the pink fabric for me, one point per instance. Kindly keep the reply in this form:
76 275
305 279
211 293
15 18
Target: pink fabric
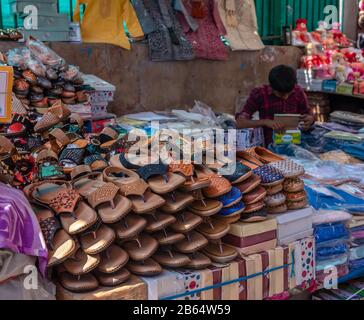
206 40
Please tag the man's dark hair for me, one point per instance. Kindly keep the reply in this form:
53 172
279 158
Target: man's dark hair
282 79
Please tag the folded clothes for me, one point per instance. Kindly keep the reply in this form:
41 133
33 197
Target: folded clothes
328 232
357 253
337 249
333 126
358 235
356 264
340 135
331 216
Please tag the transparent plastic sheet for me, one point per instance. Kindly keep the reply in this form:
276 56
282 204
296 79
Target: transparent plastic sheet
331 216
71 74
44 54
331 232
205 110
23 59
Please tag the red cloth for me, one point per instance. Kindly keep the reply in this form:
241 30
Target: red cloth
206 40
264 101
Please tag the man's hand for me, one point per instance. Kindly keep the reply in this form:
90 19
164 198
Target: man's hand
275 125
306 122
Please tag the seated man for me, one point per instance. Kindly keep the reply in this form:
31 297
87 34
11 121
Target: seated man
282 96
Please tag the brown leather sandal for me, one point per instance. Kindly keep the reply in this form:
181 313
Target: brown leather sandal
55 114
249 185
220 253
169 259
129 227
102 196
158 221
78 284
147 268
194 241
186 222
97 239
60 245
136 189
199 261
206 207
193 182
141 248
176 202
114 279
218 184
257 195
213 229
112 259
167 237
81 263
264 155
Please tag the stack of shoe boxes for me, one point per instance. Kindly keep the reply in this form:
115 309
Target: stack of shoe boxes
52 25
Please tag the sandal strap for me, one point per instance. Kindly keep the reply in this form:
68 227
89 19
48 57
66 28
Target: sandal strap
103 194
74 155
49 228
93 158
80 172
152 170
108 134
185 169
45 155
59 110
75 117
57 136
126 163
6 146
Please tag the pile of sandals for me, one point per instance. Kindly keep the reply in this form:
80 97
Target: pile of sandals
106 214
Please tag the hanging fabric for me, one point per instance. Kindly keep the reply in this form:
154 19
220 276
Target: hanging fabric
103 22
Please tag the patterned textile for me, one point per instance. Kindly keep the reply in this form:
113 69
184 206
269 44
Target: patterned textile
168 42
206 40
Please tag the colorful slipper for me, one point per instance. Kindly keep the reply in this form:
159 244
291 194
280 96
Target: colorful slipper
96 162
219 185
263 155
289 168
275 200
282 208
296 196
274 189
112 259
81 263
78 284
270 176
297 205
258 194
293 185
55 114
192 182
250 184
231 198
147 268
114 279
246 159
254 217
254 207
159 179
242 172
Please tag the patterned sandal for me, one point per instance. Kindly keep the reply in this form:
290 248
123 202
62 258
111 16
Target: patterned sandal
130 185
60 245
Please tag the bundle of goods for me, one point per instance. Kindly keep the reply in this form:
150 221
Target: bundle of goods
332 244
348 119
356 227
353 290
42 77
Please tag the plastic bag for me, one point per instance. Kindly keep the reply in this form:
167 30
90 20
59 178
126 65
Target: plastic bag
204 110
332 249
329 232
44 54
71 74
18 57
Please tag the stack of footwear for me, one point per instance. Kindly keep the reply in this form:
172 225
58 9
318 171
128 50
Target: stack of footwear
293 186
42 77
